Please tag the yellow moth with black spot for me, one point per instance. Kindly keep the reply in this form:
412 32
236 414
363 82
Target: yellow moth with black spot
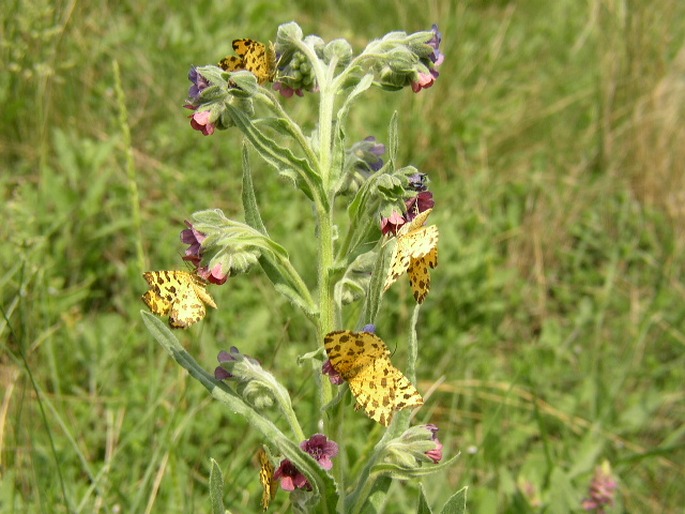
253 56
363 360
416 250
179 294
266 478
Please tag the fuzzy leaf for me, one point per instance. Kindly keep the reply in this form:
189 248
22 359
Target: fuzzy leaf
282 159
423 507
216 488
252 215
457 503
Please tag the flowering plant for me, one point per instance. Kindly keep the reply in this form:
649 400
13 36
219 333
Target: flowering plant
384 203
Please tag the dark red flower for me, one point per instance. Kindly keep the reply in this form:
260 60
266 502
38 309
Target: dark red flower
319 447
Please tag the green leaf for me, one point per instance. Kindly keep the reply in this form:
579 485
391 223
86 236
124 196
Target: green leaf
378 496
269 265
252 215
363 85
216 489
423 507
562 497
457 503
281 158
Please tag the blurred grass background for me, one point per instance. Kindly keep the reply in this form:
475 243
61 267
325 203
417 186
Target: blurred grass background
553 337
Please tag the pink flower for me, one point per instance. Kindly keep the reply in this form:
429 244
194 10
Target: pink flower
392 223
193 237
435 453
422 81
215 275
200 121
602 487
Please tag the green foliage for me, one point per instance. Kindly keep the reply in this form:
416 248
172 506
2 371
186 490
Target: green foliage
554 338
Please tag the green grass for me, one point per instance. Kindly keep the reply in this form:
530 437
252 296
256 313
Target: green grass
553 335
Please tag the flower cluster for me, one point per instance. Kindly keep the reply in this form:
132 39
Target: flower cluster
426 77
421 201
416 446
200 120
320 448
295 76
194 253
413 62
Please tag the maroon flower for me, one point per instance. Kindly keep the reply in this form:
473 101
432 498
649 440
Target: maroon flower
333 376
419 203
286 91
290 477
319 447
392 223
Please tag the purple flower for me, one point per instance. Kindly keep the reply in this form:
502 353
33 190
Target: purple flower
373 152
220 373
233 355
328 369
418 181
436 453
370 328
437 57
199 84
392 223
319 447
602 488
193 237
